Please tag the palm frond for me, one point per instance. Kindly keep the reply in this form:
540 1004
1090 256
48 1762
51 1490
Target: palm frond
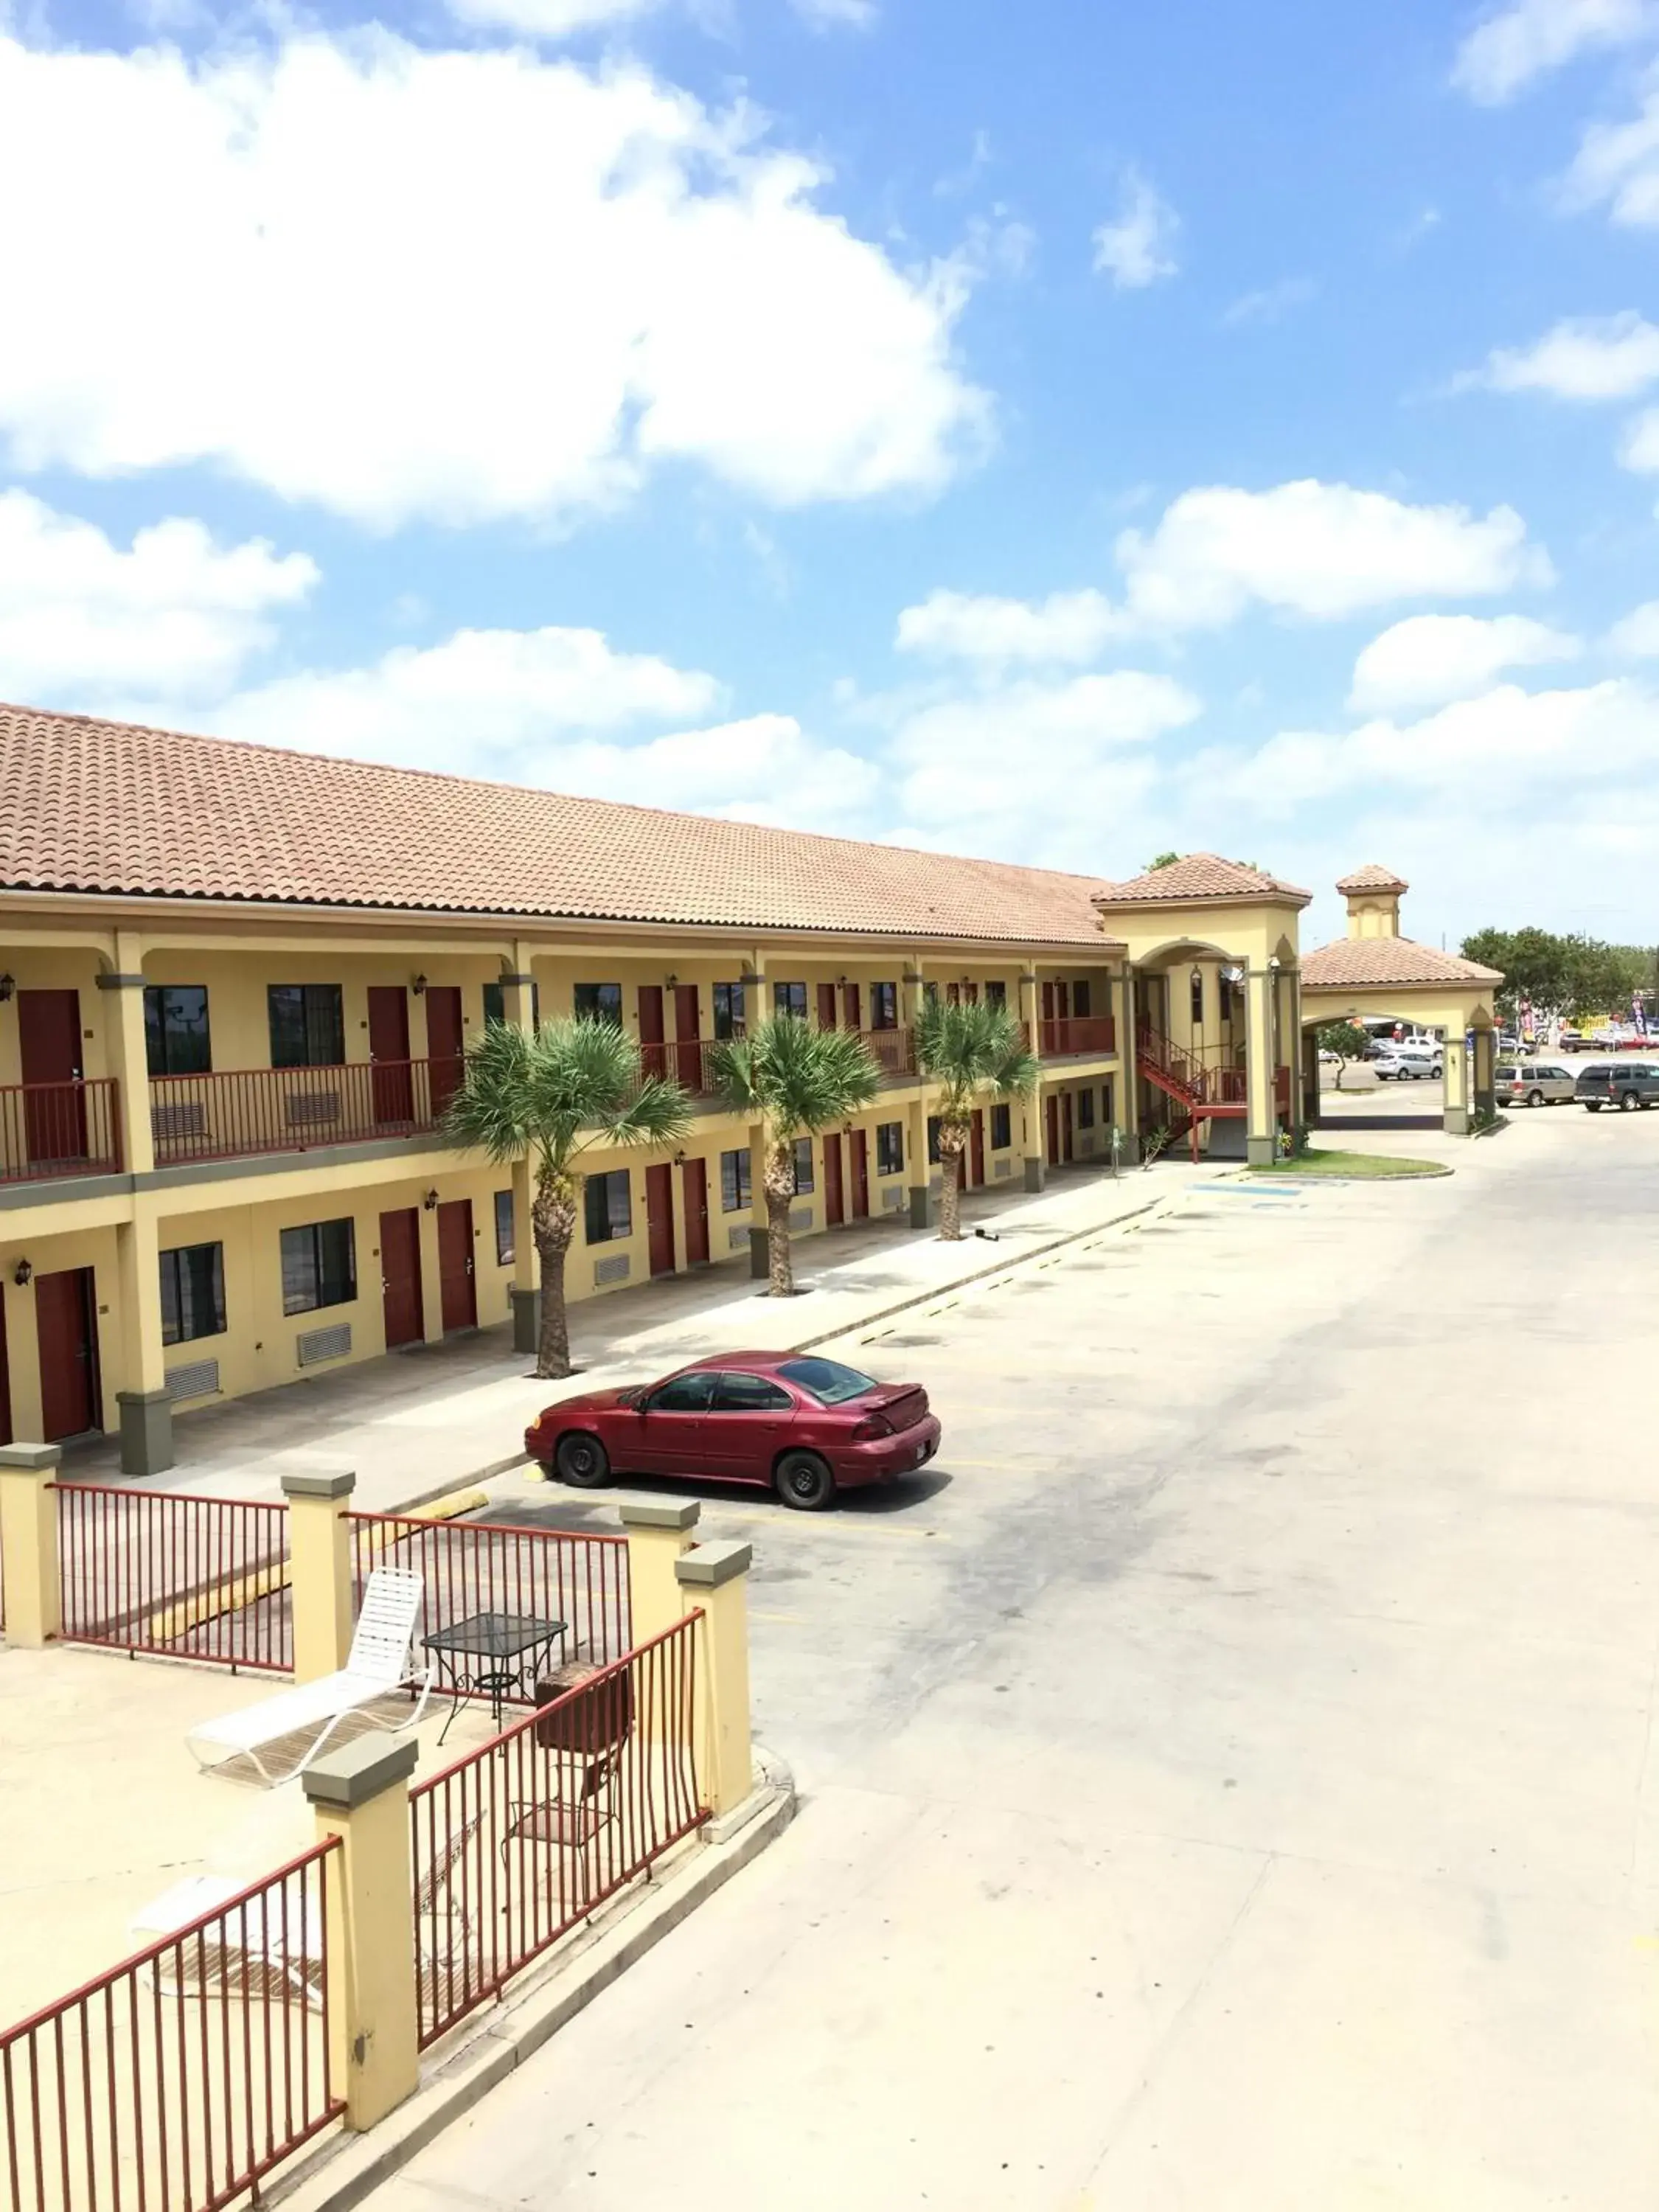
976 1047
573 1084
798 1079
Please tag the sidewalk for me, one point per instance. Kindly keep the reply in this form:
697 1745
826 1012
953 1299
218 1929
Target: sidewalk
420 1423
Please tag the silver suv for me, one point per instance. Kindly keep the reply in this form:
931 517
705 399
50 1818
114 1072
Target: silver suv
1536 1083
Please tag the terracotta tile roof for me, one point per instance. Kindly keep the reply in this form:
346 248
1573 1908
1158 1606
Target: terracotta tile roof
1361 963
1200 876
1371 877
95 806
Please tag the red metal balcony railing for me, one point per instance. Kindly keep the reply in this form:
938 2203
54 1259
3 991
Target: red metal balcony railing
251 1110
1080 1034
894 1051
49 1129
684 1060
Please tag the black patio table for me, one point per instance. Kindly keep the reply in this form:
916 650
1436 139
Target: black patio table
507 1644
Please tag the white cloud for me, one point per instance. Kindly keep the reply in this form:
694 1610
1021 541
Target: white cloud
549 19
1070 627
763 768
1503 55
457 285
1136 247
1639 449
1589 357
1617 165
1636 636
1429 659
174 614
1322 551
836 14
1272 303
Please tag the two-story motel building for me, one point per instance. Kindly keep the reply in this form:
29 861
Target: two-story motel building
237 984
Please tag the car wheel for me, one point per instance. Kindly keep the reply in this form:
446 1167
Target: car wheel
804 1480
582 1461
1535 1098
1628 1103
1592 1105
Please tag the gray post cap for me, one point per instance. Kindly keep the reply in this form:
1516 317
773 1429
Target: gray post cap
358 1771
38 1459
319 1486
711 1565
660 1513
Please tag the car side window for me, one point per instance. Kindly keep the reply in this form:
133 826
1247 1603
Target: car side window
749 1394
686 1394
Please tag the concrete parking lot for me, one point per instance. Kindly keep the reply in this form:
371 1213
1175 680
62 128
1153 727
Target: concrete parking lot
1227 1777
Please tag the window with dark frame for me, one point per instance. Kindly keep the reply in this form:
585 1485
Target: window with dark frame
996 993
506 1249
608 1202
1002 1128
729 1010
176 1040
495 1004
1198 997
1106 1103
789 999
1085 1109
734 1181
598 1002
1080 1001
803 1163
192 1292
890 1148
319 1265
884 1007
308 1025
934 1155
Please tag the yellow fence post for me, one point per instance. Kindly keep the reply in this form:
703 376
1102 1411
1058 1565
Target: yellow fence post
319 1575
360 1793
658 1535
28 1543
713 1577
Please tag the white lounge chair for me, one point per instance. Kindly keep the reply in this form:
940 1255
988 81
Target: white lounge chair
380 1662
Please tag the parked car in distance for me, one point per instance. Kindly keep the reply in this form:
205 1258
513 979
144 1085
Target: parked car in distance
1536 1083
1625 1083
1406 1063
792 1422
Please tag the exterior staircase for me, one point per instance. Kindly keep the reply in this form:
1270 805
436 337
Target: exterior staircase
1196 1084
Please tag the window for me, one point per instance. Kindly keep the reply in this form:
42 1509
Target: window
308 1025
884 1007
1080 1001
1086 1109
600 1002
934 1155
610 1204
831 1383
728 1010
1106 1105
734 1180
789 999
1226 996
749 1394
192 1292
1002 1128
803 1163
890 1148
682 1393
495 1004
319 1265
997 993
1198 997
504 1253
176 1030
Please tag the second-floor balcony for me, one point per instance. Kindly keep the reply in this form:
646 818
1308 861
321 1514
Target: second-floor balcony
48 1130
247 1111
1077 1037
688 1062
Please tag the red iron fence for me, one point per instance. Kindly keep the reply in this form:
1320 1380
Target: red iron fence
180 2078
1080 1034
520 1839
163 1572
894 1051
473 1567
297 1110
50 1129
684 1060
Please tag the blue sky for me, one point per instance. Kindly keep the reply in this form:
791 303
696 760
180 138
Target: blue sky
1059 432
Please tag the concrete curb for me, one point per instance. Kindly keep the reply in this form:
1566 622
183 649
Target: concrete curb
351 2167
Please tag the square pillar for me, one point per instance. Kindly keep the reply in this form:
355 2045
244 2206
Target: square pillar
1260 1112
1457 1118
760 1262
360 1794
146 1406
713 1578
319 1571
919 1170
660 1534
128 1055
28 1543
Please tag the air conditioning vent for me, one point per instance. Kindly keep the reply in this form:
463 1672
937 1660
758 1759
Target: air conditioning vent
199 1380
313 1109
613 1270
1001 1167
892 1200
737 1240
185 1117
801 1218
322 1344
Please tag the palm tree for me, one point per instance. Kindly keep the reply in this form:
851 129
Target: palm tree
571 1087
794 1081
970 1051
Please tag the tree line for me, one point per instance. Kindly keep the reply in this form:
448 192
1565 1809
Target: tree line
1562 977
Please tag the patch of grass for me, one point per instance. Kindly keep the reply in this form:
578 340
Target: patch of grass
1361 1167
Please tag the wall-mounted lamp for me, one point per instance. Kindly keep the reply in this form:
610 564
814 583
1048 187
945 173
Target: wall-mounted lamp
419 986
1198 974
430 1201
22 1274
841 979
8 985
679 1159
671 981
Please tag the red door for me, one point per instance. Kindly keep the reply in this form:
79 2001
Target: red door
852 999
976 1150
832 1213
49 1042
1051 1118
659 1218
687 1032
70 1394
694 1196
444 1047
388 1049
458 1303
826 1005
653 1056
860 1144
1066 1125
400 1277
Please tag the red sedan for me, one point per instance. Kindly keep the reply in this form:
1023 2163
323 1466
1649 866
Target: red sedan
802 1426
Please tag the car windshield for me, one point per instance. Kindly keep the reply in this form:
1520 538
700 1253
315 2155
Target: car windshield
826 1380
